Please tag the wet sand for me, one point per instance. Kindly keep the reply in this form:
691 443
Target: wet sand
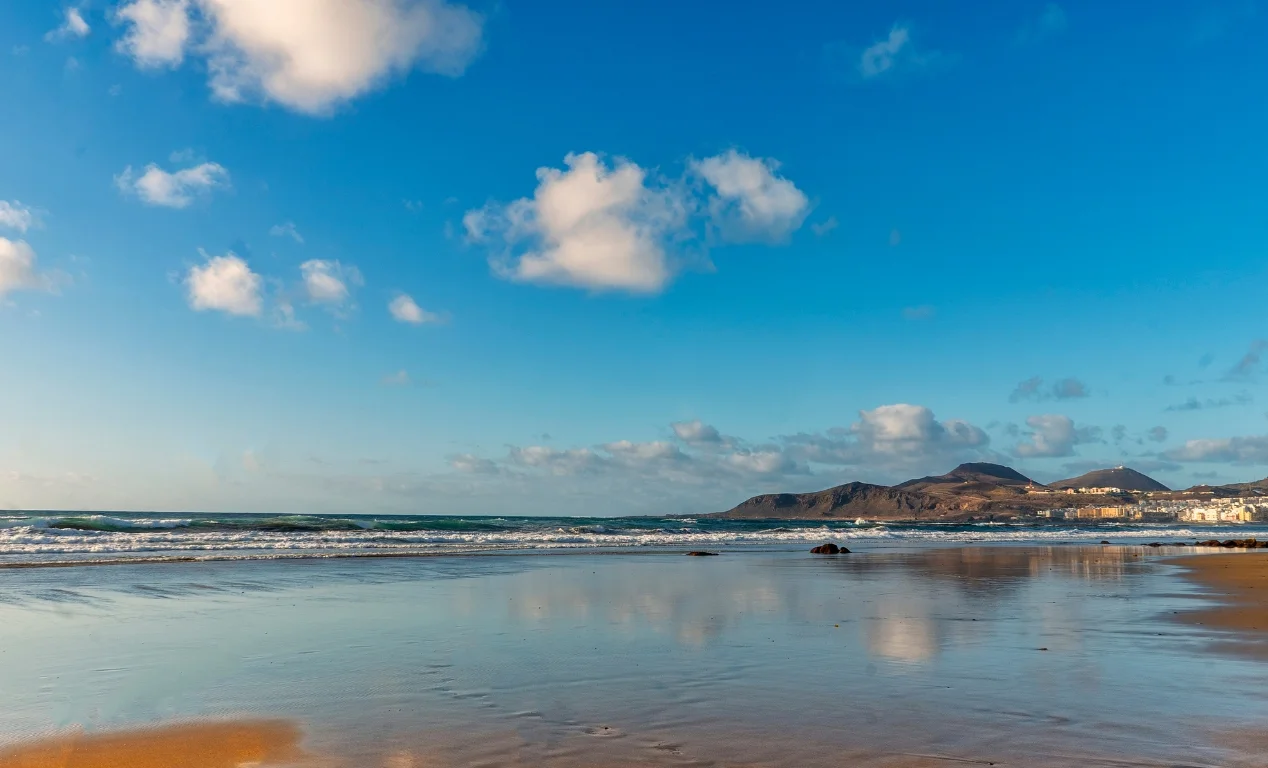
1013 656
188 745
1239 581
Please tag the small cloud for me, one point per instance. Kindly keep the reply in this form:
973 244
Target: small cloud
18 269
72 65
404 309
922 312
466 462
895 238
1054 435
1205 360
15 215
695 432
824 227
1248 366
287 230
1170 380
1118 433
413 206
73 26
115 90
172 190
399 379
1062 389
329 282
1194 404
20 50
895 54
226 284
1157 434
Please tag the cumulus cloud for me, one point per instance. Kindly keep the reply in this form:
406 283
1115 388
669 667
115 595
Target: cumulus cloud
1062 389
750 201
307 55
156 34
1157 434
329 282
893 438
1054 435
73 25
466 462
1194 404
18 268
1231 450
590 226
287 230
227 284
404 310
696 432
619 227
178 189
15 215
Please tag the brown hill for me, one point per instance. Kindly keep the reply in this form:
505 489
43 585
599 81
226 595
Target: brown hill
969 490
1120 477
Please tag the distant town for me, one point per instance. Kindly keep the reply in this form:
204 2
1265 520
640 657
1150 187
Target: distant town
1160 507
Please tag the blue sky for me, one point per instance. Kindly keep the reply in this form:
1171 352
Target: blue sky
604 258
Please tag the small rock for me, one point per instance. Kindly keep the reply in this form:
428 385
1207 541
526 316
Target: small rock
826 549
701 553
1153 544
1104 542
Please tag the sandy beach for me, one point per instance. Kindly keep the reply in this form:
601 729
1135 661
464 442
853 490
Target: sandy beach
886 658
1238 582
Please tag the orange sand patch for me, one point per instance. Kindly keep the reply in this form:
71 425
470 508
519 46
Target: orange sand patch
1241 581
193 745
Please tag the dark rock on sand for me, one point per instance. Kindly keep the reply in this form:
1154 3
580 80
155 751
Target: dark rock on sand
829 549
701 553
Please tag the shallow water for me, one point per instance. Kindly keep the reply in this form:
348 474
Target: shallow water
1016 655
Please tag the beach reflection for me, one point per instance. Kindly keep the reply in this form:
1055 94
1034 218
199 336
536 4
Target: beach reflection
771 658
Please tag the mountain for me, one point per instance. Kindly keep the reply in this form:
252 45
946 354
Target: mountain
844 502
969 490
973 473
1120 477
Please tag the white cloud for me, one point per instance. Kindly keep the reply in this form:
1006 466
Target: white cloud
824 227
693 432
225 283
172 190
1233 450
892 439
893 53
589 226
466 462
157 32
328 282
881 56
620 227
750 202
15 215
308 55
73 25
17 268
404 310
1054 435
557 462
287 230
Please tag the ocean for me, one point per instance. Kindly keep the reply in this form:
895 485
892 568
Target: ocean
28 538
